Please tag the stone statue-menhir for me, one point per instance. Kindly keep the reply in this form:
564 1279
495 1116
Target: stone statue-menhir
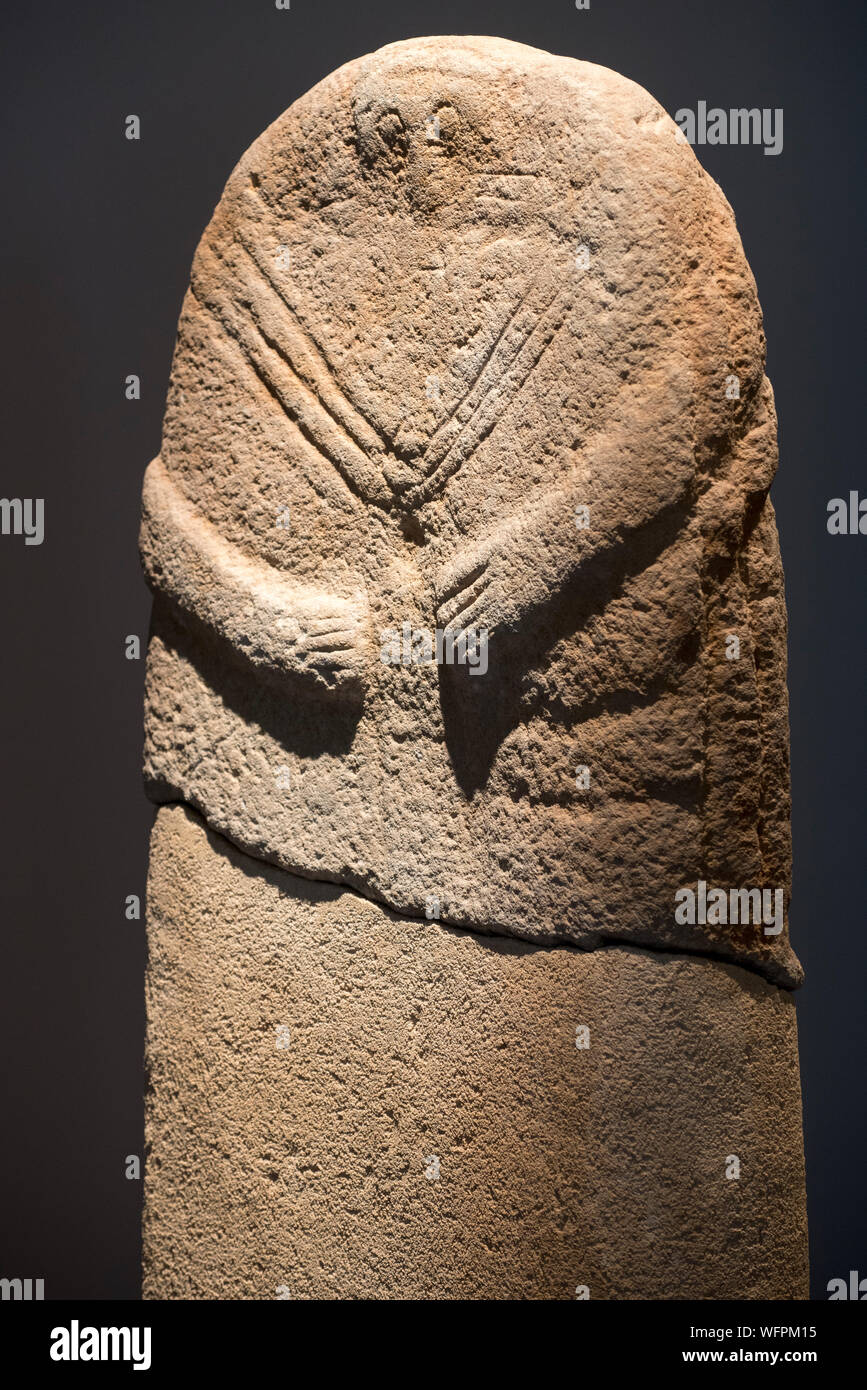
471 365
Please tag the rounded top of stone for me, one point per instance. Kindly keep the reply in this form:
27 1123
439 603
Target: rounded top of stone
487 93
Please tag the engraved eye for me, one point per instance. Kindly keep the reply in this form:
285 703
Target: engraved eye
442 127
383 139
392 133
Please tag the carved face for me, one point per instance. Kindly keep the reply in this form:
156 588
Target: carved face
457 295
468 212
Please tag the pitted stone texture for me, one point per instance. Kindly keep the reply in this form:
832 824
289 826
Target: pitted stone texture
303 1168
459 290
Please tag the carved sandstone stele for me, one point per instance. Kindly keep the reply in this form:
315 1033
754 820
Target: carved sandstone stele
470 343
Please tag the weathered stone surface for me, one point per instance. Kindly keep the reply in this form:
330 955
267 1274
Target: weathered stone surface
392 342
470 342
305 1166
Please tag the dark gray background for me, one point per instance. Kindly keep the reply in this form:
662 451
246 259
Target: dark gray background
97 238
